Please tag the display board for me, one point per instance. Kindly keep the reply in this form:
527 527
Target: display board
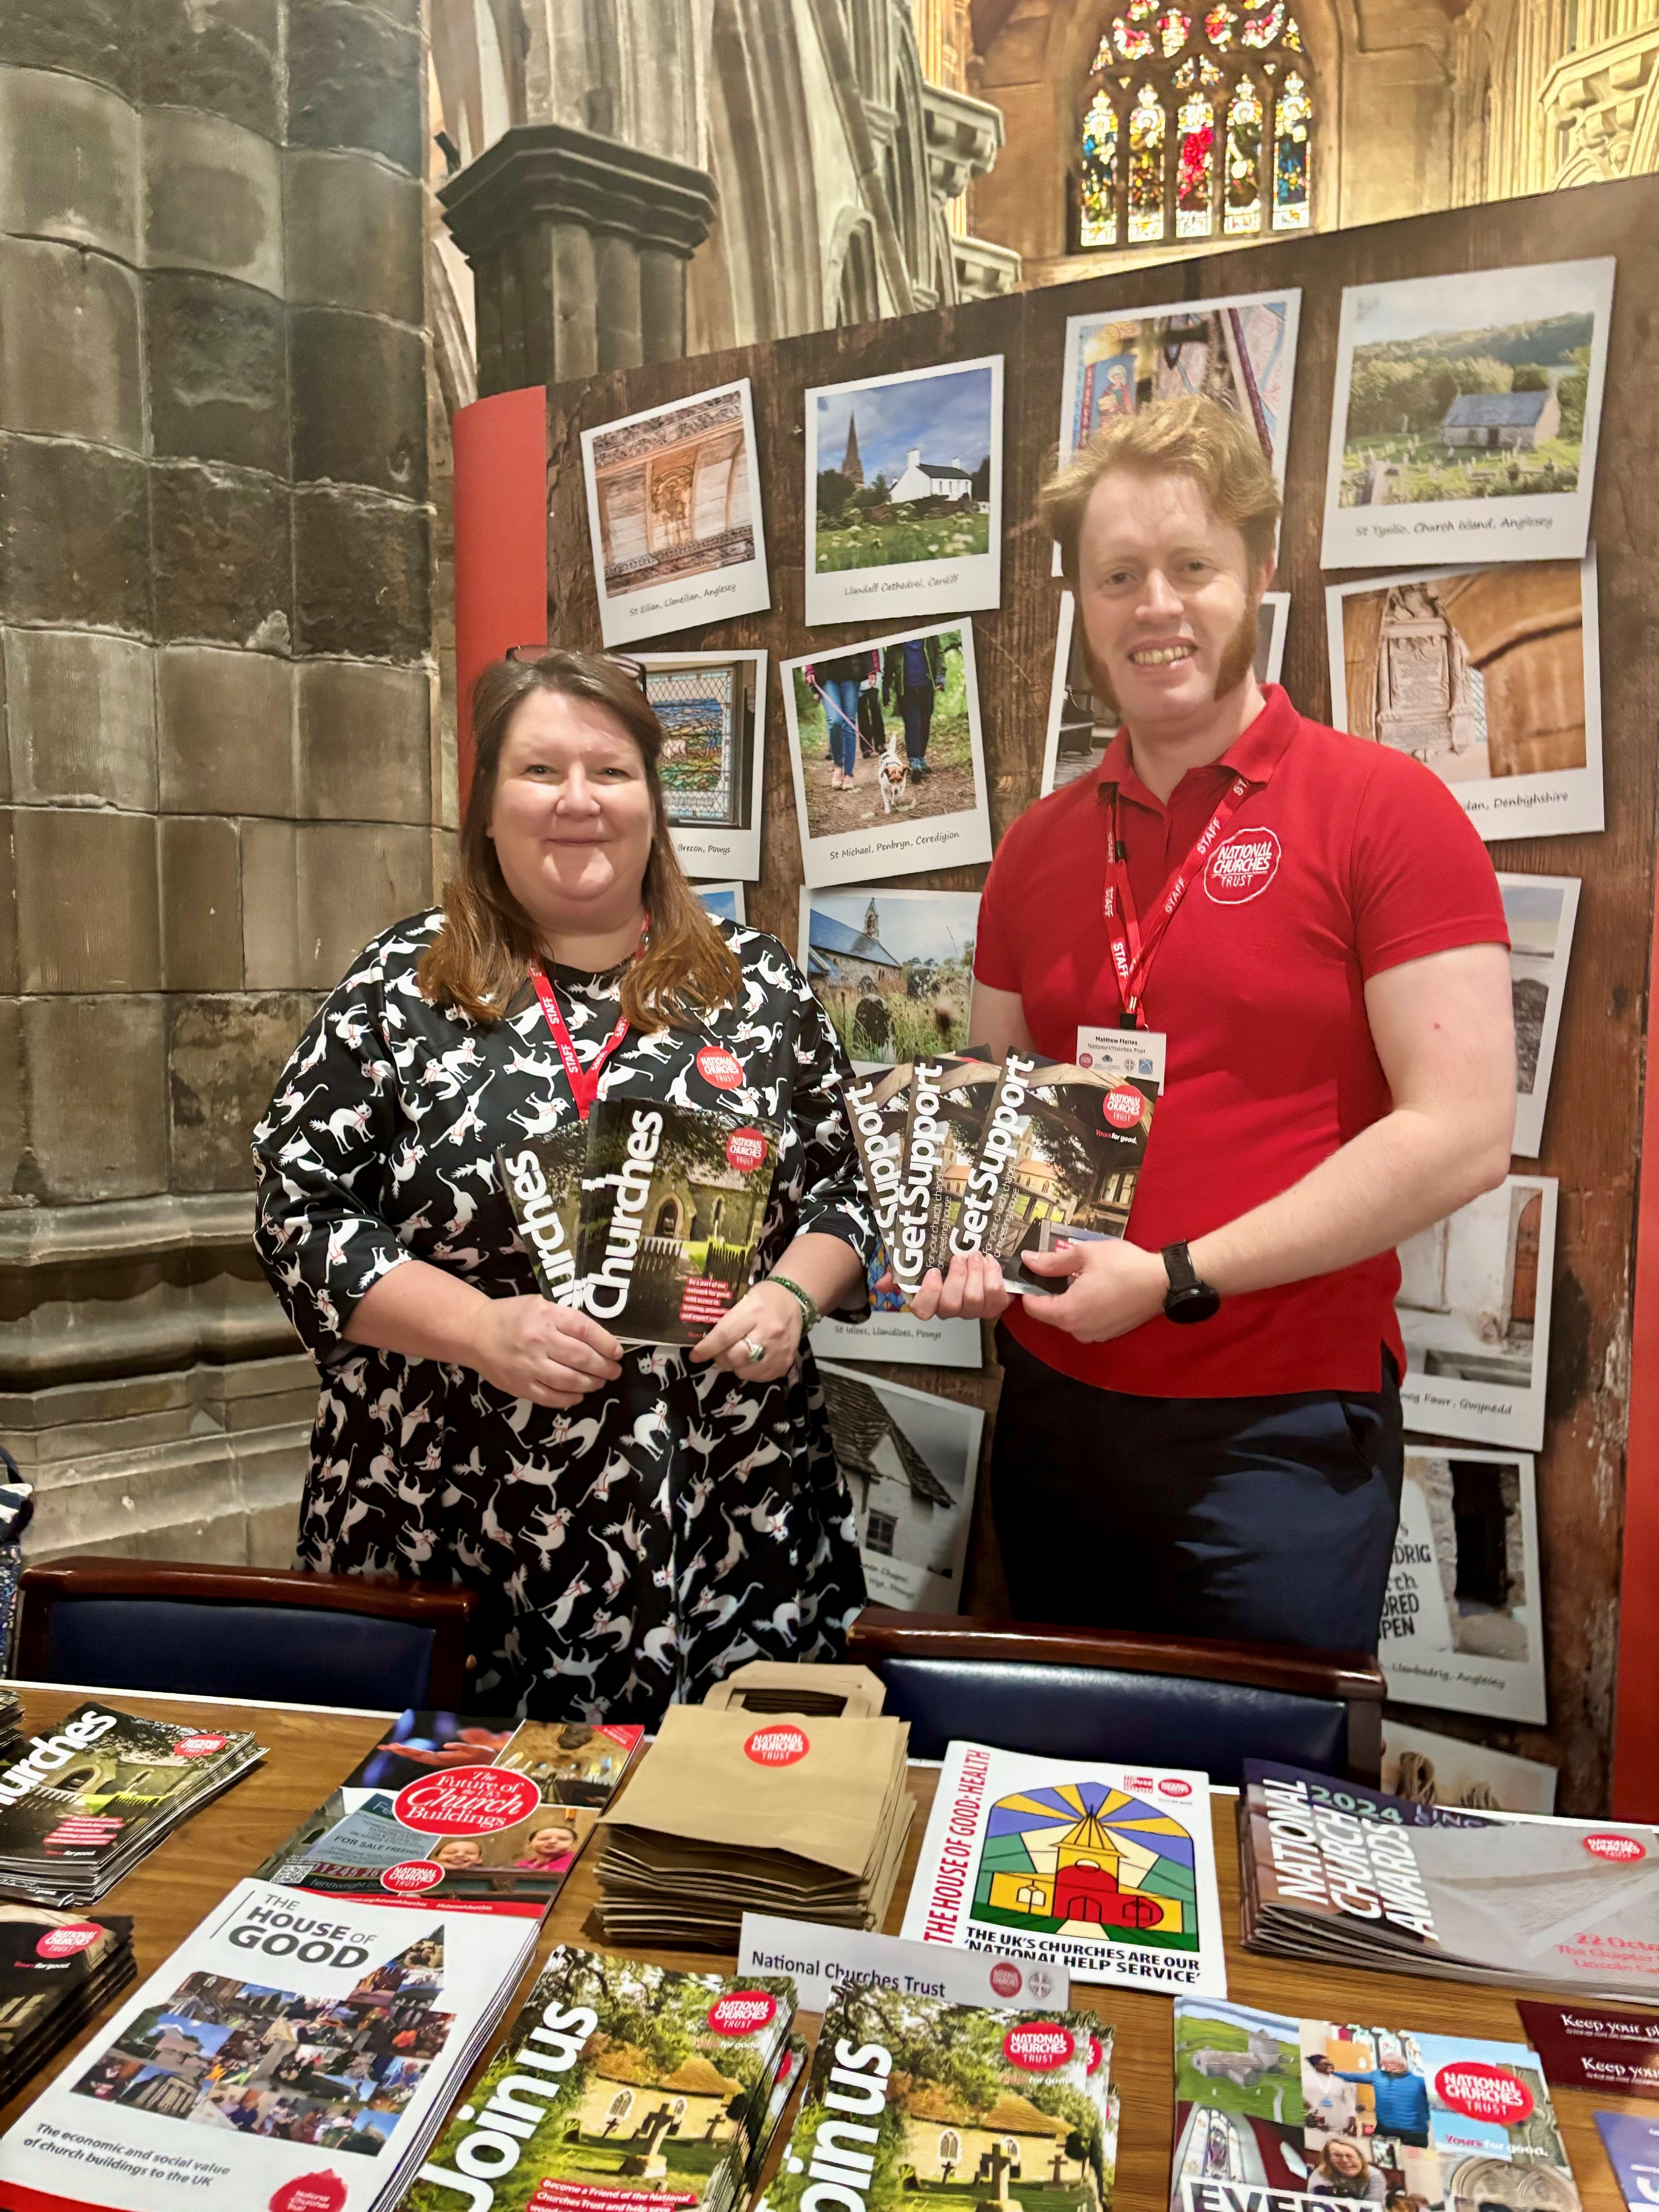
1590 1140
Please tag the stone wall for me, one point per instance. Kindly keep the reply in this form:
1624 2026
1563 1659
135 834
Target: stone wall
217 691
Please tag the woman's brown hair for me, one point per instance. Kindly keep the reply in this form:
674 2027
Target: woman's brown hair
482 955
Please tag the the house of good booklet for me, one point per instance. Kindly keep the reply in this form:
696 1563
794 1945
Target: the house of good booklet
620 2083
912 2100
292 2052
673 1203
1332 1870
1298 2113
478 1816
1105 1869
1062 1151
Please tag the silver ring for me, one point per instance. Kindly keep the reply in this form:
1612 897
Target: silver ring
757 1351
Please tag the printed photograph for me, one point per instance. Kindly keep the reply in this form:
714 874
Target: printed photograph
904 493
885 752
1466 407
1238 2098
894 970
1474 1311
1431 1769
1081 724
723 900
911 1461
1462 1622
335 2072
1491 677
673 515
711 706
1540 911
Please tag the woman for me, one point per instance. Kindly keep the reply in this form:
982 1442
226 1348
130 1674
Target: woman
635 1523
1344 2170
837 683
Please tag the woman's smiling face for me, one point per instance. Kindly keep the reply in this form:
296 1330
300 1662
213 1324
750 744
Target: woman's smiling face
571 818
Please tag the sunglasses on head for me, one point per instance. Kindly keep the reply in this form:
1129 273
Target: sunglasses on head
634 670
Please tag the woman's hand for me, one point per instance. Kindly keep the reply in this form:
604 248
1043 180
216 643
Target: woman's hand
973 1291
532 1348
1114 1286
768 1315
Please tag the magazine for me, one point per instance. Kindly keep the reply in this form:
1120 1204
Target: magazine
924 1136
878 1110
1107 1870
85 1801
961 2105
965 1092
58 1970
673 1202
1065 1144
1631 2140
620 2081
1331 1870
281 2050
542 1180
1317 2110
477 1815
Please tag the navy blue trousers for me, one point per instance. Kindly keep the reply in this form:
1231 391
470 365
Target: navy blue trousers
1269 1519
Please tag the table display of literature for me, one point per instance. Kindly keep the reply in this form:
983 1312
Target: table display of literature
622 2080
1107 1870
647 1215
478 1816
58 1970
1331 1870
803 1817
910 2099
284 2055
1313 2109
84 1804
966 1153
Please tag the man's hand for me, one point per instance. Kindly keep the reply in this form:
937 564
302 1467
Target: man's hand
1114 1287
972 1290
532 1348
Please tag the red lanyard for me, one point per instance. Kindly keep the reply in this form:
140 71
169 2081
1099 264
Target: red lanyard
583 1081
1131 953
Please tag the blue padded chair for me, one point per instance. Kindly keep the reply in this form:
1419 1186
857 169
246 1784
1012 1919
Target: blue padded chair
1137 1700
207 1631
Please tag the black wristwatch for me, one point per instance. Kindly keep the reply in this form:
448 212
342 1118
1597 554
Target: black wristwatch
1190 1297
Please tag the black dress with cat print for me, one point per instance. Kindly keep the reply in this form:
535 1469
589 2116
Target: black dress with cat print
676 1522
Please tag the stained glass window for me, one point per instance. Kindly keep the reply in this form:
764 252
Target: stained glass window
1146 134
1131 33
1104 55
1242 194
1292 167
1197 68
1172 29
1291 36
1098 225
1218 26
1262 30
1196 176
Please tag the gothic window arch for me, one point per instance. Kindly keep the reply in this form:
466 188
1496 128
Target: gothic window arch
1196 123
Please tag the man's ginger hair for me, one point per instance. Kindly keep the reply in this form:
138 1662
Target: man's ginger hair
1198 437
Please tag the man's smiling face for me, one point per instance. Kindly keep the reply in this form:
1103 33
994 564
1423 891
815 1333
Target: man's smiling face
1166 598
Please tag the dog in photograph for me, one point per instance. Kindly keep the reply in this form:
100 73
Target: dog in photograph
894 775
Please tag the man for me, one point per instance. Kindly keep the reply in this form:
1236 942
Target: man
912 674
1402 2098
1199 1434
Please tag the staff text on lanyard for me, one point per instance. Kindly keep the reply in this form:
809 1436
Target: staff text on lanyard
1132 953
583 1081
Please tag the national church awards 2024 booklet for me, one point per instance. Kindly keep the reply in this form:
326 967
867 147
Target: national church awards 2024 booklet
1106 1869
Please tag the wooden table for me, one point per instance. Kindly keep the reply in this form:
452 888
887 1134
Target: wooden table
311 1752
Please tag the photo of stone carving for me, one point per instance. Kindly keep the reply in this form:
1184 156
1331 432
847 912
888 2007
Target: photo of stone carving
1473 1306
1431 1769
1540 911
1489 675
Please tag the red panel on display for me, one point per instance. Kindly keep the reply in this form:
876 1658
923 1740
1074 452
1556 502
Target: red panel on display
500 539
1636 1713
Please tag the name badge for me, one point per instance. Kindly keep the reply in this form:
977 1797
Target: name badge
1123 1055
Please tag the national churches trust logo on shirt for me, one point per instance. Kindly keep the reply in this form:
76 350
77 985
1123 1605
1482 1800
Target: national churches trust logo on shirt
1242 866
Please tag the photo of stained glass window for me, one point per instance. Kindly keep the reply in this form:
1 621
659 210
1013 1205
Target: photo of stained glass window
1146 132
706 710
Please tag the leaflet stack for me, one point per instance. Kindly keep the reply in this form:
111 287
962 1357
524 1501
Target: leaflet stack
57 1970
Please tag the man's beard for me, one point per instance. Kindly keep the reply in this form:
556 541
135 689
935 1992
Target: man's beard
1235 665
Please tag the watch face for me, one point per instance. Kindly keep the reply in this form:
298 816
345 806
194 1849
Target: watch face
1199 1303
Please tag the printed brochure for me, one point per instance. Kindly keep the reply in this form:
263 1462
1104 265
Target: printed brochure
1107 1870
1317 2110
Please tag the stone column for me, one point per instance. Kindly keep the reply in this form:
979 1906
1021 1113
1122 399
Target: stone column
214 760
578 245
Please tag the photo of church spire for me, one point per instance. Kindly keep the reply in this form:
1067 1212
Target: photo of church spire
852 467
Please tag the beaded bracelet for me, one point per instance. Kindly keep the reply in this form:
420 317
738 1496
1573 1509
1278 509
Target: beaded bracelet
811 1316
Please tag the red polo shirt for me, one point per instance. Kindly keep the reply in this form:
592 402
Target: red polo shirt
1344 859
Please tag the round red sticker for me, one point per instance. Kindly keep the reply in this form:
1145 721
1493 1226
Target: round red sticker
1038 2047
466 1801
65 1942
1242 866
1007 1980
746 1150
776 1747
1484 2093
410 1876
311 2192
1121 1107
720 1067
1097 2054
1173 1786
1625 1849
200 1747
740 2012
